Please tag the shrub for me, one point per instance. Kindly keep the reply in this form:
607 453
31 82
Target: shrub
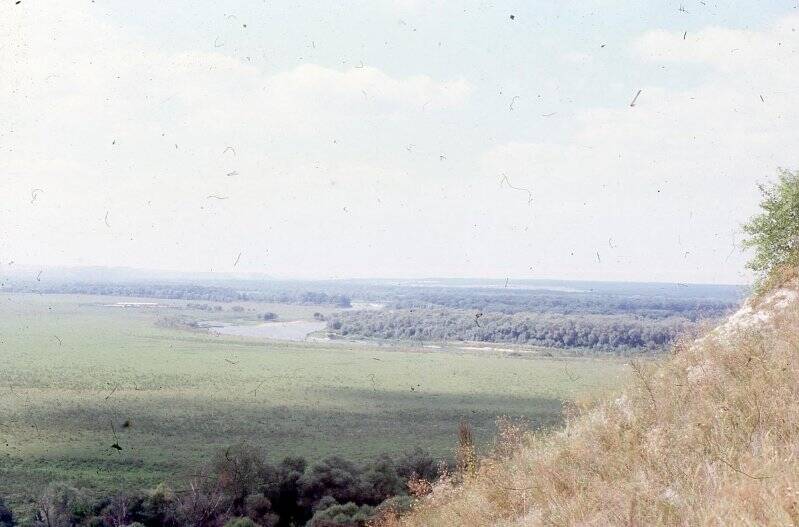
259 509
239 471
118 510
381 481
282 487
333 476
157 505
774 233
6 516
203 504
417 464
61 506
347 515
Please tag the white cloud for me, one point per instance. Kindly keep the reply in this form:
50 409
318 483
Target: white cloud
672 178
103 121
728 50
414 6
61 59
576 57
343 172
356 84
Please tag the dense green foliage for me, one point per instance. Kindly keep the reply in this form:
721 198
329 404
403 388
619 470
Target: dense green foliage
348 514
518 301
240 488
597 332
183 292
774 233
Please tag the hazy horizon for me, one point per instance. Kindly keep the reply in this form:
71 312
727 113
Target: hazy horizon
101 273
394 138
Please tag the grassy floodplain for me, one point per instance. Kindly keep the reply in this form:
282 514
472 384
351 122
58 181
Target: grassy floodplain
73 370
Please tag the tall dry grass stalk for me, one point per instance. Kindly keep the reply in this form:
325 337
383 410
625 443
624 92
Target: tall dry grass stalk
709 436
466 454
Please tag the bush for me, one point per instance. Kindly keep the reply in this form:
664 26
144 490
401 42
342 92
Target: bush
238 488
347 515
259 509
381 481
334 477
239 471
61 506
774 233
157 505
203 504
282 487
417 464
269 315
6 516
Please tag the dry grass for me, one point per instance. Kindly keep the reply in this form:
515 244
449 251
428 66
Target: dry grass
709 436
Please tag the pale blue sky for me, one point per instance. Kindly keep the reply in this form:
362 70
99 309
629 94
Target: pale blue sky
371 138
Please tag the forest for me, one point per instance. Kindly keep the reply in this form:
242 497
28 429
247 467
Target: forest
183 291
614 332
504 301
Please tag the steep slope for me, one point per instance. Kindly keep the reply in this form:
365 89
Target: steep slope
709 436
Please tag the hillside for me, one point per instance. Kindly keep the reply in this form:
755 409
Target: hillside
706 437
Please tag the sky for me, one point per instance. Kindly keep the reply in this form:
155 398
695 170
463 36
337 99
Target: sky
394 138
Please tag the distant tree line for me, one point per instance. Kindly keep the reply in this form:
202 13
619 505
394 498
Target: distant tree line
691 302
589 331
188 292
239 488
565 303
306 297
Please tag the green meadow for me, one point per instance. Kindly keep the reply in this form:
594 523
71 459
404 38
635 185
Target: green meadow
78 376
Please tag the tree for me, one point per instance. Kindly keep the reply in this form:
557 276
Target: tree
282 487
381 481
203 504
774 233
239 471
334 477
